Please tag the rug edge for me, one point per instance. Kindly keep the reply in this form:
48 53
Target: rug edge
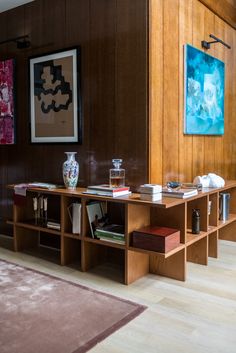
106 333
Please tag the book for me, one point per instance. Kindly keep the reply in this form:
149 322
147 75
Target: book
114 231
74 211
53 225
43 185
151 197
181 193
150 188
109 237
117 241
104 193
95 216
106 190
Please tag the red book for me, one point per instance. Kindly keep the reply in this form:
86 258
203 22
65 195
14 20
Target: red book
106 190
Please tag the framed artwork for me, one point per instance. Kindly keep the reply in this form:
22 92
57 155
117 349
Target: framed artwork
7 102
204 93
55 102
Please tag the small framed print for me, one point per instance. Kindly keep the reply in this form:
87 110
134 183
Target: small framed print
7 102
55 101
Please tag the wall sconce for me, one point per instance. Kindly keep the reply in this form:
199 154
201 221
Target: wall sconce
22 42
207 45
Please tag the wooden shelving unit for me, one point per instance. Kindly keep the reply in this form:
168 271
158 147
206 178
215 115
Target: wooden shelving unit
133 213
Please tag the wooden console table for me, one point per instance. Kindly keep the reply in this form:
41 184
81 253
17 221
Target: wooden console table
134 213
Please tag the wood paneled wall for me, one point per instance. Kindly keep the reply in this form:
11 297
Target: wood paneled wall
225 9
132 90
174 155
113 39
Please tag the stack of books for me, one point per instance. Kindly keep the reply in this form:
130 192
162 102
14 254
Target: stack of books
182 193
53 225
113 233
150 192
106 190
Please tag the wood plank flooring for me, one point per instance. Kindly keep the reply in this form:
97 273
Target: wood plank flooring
196 316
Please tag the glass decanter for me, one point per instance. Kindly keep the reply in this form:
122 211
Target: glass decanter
117 174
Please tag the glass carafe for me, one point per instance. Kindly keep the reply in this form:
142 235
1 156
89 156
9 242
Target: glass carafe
117 174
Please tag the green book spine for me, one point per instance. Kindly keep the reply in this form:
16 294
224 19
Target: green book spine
108 235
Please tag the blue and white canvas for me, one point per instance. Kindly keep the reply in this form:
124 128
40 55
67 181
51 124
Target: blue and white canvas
204 93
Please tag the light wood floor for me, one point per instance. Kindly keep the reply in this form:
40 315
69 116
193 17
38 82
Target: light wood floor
196 316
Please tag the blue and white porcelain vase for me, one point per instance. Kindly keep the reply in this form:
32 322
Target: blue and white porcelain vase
70 171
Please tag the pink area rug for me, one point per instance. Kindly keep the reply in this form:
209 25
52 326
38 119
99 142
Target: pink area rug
44 314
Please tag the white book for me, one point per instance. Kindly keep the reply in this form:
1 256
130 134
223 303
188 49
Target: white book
95 213
74 211
151 197
150 188
105 193
181 193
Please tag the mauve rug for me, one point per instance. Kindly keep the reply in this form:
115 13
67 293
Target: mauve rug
44 314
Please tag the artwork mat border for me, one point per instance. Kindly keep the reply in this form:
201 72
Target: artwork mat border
77 108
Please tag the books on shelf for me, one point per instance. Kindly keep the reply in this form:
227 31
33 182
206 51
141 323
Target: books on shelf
98 220
106 190
181 193
150 192
53 225
150 188
116 241
42 185
111 232
20 189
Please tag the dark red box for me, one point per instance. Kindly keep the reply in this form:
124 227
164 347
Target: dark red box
154 238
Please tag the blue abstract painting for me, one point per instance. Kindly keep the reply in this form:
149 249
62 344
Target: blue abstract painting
204 93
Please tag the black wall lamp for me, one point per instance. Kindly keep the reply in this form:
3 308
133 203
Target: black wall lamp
207 45
22 42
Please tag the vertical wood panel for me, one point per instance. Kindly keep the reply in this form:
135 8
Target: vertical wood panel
185 141
131 120
221 145
102 87
229 152
210 146
78 12
198 35
225 9
156 59
171 90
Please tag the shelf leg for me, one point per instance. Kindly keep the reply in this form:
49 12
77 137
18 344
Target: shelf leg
173 266
198 252
213 245
136 264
